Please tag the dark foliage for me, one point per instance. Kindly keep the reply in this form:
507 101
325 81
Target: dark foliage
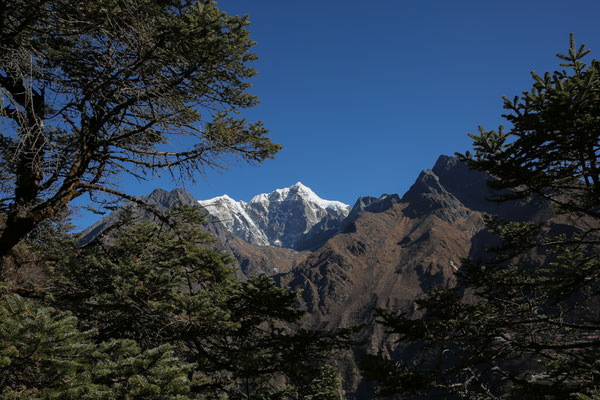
157 293
91 90
525 321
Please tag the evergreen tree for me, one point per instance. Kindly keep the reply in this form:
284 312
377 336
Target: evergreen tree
44 355
161 285
91 90
525 321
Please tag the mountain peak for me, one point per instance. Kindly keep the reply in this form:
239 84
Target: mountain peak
296 192
219 199
283 217
296 189
165 199
445 162
160 199
299 186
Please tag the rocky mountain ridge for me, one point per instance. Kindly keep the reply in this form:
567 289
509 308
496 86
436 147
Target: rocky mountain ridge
386 251
160 199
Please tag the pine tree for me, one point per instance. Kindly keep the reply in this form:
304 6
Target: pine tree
525 321
161 284
44 355
91 90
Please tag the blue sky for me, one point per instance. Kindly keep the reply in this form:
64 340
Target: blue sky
365 95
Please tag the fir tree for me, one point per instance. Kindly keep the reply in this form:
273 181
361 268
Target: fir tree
44 355
97 89
525 321
158 284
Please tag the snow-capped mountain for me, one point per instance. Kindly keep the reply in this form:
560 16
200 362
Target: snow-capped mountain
282 218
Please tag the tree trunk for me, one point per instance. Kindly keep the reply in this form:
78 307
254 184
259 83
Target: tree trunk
17 227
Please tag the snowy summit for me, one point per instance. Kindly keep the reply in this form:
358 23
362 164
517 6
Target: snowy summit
297 192
281 218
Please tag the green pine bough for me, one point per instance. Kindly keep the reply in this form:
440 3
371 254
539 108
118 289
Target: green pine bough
524 322
150 310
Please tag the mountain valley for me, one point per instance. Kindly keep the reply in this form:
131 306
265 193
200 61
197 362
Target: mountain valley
385 251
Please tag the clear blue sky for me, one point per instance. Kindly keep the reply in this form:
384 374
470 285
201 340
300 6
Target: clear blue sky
365 95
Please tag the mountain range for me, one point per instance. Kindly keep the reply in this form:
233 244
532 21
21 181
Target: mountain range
291 217
384 251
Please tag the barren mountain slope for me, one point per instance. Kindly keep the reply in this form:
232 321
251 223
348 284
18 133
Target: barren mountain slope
392 252
387 252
